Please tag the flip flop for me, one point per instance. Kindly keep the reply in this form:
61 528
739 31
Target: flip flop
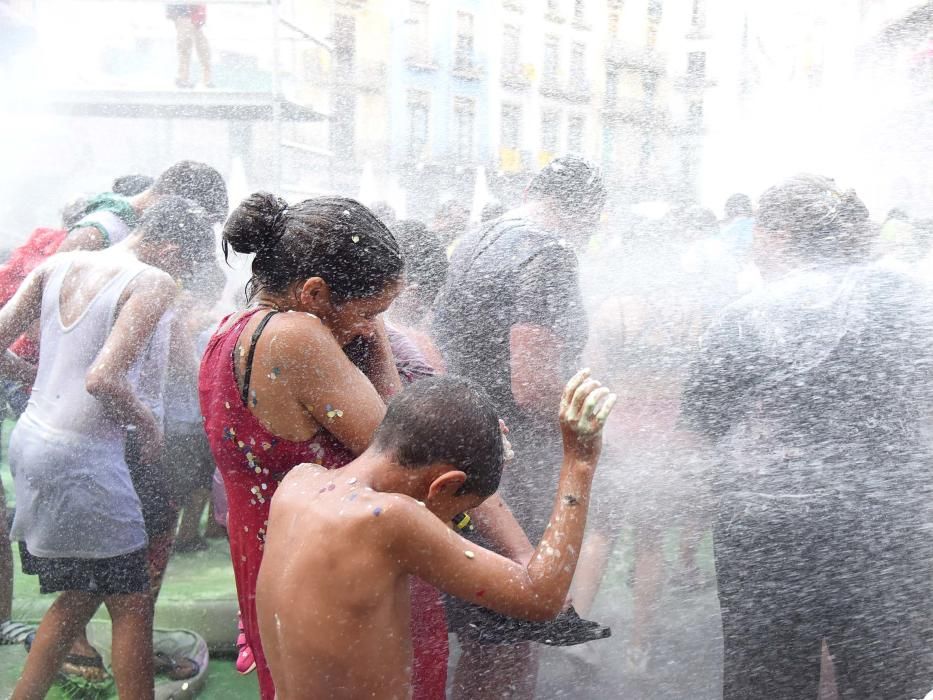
89 669
15 632
176 668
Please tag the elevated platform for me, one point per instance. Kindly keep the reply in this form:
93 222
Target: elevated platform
178 104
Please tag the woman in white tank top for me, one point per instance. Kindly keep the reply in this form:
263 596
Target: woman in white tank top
104 341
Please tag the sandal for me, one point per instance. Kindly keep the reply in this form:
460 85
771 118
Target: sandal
90 669
176 668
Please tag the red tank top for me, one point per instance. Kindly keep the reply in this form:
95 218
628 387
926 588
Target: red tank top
252 461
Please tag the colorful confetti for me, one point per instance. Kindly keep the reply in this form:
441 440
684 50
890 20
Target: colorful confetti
377 511
332 412
352 480
468 553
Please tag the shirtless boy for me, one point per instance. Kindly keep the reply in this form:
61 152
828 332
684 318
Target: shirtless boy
332 595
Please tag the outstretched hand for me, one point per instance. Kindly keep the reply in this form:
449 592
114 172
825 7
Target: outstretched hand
584 409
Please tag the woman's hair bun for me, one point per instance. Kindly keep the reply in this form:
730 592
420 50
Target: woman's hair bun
256 224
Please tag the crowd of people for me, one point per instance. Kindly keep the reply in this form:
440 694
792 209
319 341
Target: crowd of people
392 432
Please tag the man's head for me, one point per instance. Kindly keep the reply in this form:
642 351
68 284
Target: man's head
129 185
425 270
444 431
177 236
738 205
574 192
198 182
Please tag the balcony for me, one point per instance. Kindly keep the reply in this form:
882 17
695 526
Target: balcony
641 59
466 68
366 77
635 110
517 77
576 92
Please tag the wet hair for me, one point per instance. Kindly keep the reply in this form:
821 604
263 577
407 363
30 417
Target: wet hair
738 205
821 220
129 185
448 420
425 259
73 212
198 182
334 238
492 211
572 184
183 222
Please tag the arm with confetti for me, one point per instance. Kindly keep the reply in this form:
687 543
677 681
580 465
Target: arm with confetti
427 548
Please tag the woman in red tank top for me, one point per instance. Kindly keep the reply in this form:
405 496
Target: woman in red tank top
277 388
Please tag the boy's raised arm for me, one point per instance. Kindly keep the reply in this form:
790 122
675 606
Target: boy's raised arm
426 547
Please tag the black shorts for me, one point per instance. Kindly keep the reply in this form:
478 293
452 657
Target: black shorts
122 575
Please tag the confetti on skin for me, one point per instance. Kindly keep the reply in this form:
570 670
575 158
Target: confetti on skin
332 412
266 446
421 503
331 487
274 374
571 500
352 481
377 511
355 239
352 497
468 553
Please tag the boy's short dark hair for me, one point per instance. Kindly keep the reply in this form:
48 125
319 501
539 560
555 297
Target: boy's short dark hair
198 182
445 420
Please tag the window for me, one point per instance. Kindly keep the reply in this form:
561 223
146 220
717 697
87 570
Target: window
419 34
575 126
464 116
344 44
696 67
550 131
579 11
511 50
511 125
578 66
343 126
649 86
463 58
418 121
612 88
551 62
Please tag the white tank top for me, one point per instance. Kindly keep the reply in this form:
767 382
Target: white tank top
74 496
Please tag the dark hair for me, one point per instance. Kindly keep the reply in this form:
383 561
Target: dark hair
738 205
73 212
128 185
897 213
198 182
425 259
334 238
445 419
177 220
571 183
821 220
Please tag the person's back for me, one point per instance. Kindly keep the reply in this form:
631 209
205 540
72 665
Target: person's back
65 430
487 293
349 616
